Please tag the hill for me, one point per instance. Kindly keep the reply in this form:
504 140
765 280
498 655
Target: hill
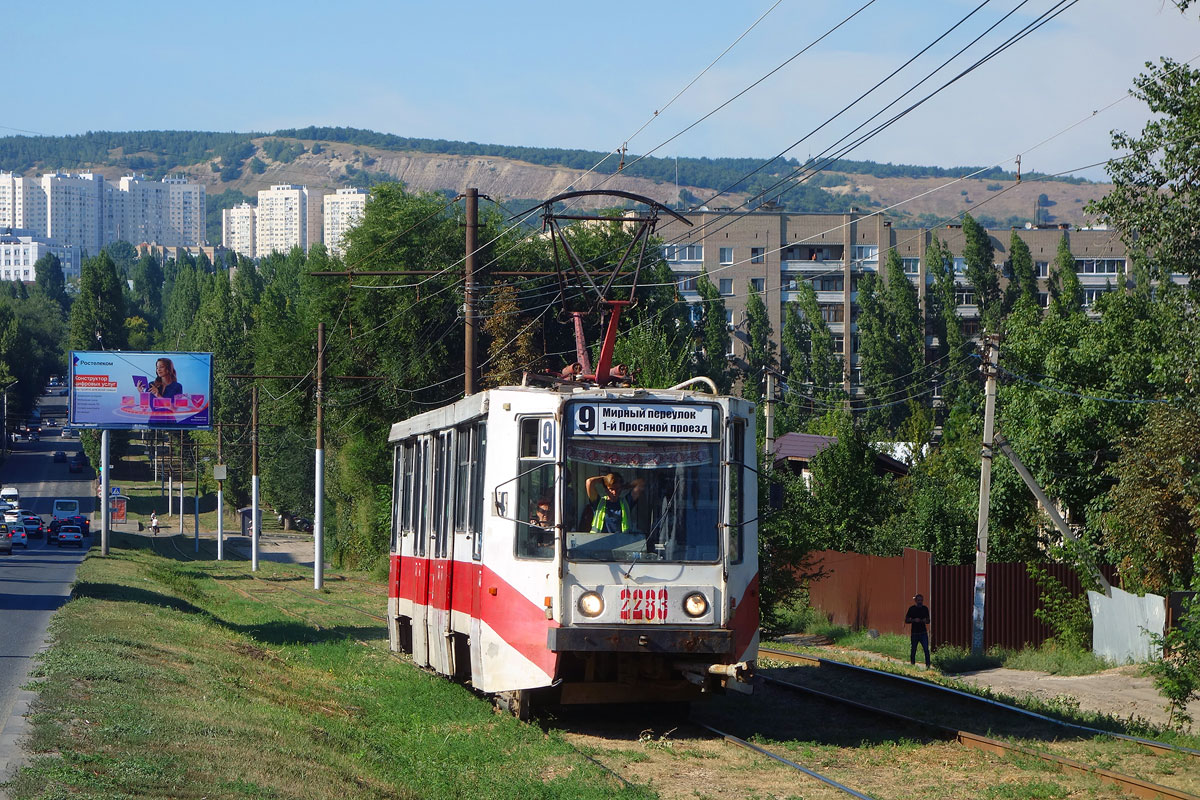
234 166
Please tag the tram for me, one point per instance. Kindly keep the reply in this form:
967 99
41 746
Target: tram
503 574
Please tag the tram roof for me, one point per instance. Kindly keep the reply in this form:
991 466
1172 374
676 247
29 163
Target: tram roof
476 405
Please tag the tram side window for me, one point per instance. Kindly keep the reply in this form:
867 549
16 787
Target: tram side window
535 489
442 498
478 457
462 479
420 497
397 495
737 493
406 489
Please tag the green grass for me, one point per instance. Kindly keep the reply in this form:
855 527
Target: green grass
170 680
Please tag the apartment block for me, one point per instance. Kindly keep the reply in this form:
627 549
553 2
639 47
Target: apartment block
238 228
281 220
75 209
21 249
770 253
342 211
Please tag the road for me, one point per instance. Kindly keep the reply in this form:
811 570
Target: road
36 581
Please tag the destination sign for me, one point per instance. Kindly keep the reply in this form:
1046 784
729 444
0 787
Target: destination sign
643 420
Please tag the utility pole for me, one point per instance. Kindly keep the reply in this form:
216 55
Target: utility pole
220 466
469 292
319 494
254 521
991 357
196 496
769 419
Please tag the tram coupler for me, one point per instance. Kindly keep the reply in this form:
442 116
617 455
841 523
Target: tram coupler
733 677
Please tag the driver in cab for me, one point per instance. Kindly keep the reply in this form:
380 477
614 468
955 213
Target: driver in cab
611 504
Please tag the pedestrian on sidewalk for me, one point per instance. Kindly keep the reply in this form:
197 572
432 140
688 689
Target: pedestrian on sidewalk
918 618
154 522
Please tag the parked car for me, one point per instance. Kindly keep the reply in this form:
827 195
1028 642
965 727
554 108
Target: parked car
16 533
33 525
70 534
60 457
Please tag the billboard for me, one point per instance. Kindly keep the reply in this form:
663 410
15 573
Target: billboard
124 390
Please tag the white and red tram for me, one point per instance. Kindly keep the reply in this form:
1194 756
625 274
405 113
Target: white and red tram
483 589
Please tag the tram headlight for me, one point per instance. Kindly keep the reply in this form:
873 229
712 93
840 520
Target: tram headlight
695 605
591 604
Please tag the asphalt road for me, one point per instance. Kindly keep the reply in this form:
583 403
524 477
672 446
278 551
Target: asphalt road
35 582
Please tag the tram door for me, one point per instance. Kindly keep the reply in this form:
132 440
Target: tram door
420 571
441 555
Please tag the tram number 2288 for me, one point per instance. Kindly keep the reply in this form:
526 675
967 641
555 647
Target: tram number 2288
643 605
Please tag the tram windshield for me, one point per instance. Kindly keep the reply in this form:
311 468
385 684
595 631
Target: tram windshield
640 500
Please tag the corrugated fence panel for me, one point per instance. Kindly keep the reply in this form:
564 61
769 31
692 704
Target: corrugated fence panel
1012 597
861 591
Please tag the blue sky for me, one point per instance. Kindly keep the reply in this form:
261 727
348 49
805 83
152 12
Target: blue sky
588 75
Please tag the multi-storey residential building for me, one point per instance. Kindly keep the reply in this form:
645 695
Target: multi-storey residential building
87 212
281 220
237 229
771 253
21 249
75 209
343 211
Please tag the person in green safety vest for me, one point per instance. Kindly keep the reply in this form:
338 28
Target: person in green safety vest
611 511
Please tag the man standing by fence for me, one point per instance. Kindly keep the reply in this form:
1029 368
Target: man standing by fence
918 617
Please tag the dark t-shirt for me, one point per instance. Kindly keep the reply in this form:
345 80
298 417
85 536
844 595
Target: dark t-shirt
921 616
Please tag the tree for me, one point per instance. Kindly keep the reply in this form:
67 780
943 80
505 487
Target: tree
813 371
98 313
760 355
715 340
48 275
1023 281
980 258
510 340
148 288
1066 293
1151 527
1155 199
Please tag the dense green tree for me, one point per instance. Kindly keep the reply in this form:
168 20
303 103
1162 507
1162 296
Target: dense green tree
511 339
760 355
716 339
181 305
123 254
1151 527
48 275
1023 280
98 313
812 369
1155 199
147 293
1066 293
980 257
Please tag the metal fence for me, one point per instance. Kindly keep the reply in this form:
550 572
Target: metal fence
862 591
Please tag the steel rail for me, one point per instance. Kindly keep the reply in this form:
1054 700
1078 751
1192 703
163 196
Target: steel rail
799 767
1135 786
1157 747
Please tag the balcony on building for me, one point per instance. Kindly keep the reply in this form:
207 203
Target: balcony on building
812 258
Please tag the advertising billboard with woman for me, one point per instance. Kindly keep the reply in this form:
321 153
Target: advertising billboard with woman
128 390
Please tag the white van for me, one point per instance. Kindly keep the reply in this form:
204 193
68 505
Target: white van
65 508
9 494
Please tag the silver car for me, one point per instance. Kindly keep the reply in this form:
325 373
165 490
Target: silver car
71 534
16 535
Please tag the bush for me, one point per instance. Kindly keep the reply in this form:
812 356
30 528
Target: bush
951 658
1066 614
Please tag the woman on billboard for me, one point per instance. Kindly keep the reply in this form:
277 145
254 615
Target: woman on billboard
167 383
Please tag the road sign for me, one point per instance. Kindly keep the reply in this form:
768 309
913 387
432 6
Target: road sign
114 491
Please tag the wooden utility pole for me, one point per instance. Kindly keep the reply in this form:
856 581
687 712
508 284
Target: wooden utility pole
991 357
469 359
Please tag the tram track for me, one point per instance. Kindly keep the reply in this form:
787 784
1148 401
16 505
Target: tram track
1136 786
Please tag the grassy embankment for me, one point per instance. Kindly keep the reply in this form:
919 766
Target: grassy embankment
170 678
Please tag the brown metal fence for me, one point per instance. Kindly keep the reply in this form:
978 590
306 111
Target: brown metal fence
872 592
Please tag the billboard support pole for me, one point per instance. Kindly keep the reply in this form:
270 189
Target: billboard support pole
196 497
104 516
255 523
220 504
182 481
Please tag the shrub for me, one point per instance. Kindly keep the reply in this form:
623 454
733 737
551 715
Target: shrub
1066 614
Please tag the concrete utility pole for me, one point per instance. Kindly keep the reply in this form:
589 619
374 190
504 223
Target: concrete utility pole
991 357
319 489
182 481
254 521
469 292
769 419
196 496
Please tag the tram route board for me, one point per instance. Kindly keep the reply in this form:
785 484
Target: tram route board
639 420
